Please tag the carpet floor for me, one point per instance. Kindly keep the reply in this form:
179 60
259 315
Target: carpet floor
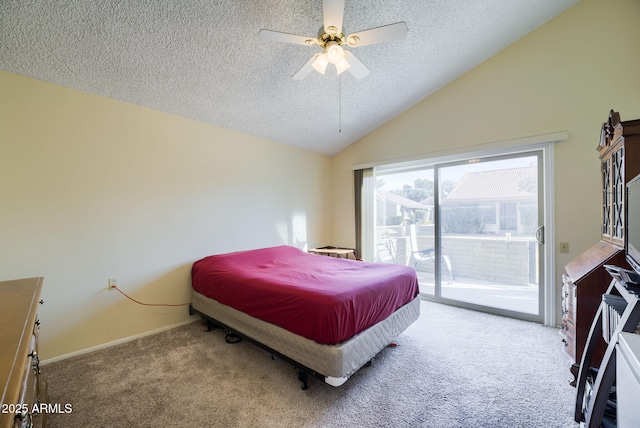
452 368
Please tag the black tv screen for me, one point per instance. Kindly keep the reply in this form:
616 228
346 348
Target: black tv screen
632 246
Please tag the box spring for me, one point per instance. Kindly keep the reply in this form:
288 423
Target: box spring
334 362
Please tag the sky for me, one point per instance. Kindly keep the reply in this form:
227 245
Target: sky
453 173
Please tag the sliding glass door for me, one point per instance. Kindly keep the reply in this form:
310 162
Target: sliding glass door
489 229
405 226
472 230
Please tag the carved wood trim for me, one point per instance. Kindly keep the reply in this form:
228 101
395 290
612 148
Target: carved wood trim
608 129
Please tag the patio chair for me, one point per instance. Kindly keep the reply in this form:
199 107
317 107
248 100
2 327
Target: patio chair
385 249
429 254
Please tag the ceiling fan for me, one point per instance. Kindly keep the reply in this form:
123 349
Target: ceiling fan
331 39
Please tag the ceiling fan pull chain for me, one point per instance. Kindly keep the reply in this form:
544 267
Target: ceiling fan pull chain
339 105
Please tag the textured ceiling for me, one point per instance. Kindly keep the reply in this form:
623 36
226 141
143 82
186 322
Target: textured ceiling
203 59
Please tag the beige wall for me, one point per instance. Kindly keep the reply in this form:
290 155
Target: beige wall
565 76
93 188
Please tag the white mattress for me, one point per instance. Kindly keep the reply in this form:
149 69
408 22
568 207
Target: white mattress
335 362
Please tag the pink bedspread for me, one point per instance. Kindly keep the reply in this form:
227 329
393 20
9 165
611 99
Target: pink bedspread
324 299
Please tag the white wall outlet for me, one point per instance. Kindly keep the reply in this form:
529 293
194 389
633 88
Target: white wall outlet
113 283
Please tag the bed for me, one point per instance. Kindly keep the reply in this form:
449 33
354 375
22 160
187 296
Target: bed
326 316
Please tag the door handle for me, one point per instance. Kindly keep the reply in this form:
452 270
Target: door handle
540 235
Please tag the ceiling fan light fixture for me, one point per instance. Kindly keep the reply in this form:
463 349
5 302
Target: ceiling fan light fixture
334 52
331 39
321 62
342 66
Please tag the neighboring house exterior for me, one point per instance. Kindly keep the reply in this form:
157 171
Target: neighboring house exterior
496 202
393 209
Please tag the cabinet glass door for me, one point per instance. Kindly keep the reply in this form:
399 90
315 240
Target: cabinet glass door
606 197
618 191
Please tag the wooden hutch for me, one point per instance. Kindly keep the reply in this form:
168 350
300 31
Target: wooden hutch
585 280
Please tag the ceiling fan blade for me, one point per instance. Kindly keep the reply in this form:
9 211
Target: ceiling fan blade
358 69
304 70
386 33
333 12
277 36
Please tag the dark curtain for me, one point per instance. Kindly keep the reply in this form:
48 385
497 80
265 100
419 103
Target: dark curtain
359 176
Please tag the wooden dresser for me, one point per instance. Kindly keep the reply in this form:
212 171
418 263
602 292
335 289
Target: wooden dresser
22 390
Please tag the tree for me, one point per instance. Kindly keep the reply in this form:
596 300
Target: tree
447 186
422 189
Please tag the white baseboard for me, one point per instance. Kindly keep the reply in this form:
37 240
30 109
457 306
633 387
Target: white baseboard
117 342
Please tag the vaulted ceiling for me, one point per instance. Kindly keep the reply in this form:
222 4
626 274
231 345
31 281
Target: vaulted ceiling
203 59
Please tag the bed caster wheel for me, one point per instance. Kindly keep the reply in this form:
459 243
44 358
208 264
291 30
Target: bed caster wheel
303 377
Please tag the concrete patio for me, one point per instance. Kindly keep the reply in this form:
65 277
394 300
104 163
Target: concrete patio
520 298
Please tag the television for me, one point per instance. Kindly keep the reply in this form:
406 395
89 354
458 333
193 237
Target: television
632 241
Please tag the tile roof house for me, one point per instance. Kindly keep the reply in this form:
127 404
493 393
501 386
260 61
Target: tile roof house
501 201
393 206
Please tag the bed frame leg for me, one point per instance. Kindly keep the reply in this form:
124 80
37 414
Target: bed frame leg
303 376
